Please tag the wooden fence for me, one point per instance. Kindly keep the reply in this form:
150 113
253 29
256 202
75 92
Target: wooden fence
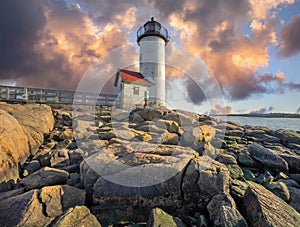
41 95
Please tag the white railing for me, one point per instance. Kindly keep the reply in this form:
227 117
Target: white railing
41 95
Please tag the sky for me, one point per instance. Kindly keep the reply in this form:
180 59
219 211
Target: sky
251 47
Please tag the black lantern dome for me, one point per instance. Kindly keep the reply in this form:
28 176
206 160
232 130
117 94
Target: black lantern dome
152 28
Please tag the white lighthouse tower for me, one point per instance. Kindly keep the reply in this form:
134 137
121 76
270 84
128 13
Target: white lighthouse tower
152 39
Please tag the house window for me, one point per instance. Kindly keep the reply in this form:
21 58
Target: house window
136 90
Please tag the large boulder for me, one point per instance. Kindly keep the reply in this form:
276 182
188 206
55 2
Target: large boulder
150 114
21 129
288 137
260 135
22 210
196 134
226 159
11 193
150 175
39 207
124 133
36 119
56 199
182 119
77 216
295 198
263 208
171 126
191 136
147 114
267 158
44 177
141 159
13 147
202 179
293 162
213 177
223 211
35 116
159 218
156 167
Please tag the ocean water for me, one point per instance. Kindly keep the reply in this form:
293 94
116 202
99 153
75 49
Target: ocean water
272 123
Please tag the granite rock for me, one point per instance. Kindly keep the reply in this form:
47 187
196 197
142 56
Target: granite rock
263 208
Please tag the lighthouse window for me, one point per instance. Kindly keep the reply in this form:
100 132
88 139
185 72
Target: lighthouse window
136 90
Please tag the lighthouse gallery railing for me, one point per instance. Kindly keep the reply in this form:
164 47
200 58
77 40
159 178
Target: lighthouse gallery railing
162 32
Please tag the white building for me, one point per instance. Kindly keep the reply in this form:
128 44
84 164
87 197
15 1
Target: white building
131 87
152 38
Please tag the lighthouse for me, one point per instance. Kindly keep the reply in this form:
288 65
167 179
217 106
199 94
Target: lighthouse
152 38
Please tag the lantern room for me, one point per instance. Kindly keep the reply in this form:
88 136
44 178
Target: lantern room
152 28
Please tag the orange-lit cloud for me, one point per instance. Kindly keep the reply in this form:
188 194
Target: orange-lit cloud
260 9
218 109
72 35
212 31
62 45
262 110
280 76
128 18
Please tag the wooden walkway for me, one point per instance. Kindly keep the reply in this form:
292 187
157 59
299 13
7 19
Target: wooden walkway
41 95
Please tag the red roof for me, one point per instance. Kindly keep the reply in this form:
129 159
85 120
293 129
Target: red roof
132 76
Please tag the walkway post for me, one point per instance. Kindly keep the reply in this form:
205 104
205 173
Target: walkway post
25 96
7 93
56 96
41 95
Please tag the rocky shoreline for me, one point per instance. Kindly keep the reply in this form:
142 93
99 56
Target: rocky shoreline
149 167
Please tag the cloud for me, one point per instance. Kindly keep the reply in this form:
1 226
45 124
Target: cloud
289 37
271 108
262 110
212 31
20 24
293 86
51 44
167 7
114 11
195 93
298 110
260 9
218 109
